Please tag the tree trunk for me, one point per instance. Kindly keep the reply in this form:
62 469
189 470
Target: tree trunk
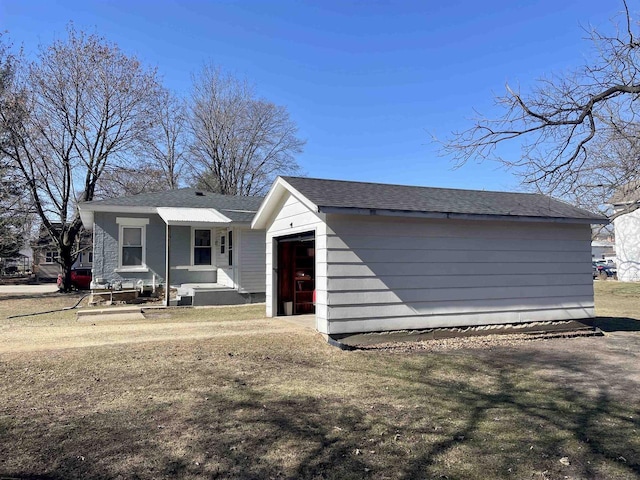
66 261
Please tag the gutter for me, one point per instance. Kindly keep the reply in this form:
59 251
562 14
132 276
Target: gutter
458 216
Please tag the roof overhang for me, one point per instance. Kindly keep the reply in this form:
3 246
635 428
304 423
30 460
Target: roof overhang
457 216
195 217
277 193
87 211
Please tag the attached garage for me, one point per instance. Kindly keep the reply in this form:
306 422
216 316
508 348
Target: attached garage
389 257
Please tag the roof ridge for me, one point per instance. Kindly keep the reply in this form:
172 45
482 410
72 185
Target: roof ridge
345 194
285 177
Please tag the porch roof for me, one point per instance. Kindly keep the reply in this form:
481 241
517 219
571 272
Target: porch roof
192 216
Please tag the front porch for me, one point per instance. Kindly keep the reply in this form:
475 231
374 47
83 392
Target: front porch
201 294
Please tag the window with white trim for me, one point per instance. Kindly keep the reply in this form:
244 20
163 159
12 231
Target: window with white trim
131 242
51 256
222 244
230 248
201 246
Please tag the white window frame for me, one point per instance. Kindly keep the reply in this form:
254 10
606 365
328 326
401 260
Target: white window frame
212 236
141 223
53 254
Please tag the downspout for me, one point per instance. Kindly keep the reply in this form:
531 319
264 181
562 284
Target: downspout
167 279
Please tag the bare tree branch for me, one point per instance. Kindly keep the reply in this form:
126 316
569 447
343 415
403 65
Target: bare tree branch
238 143
569 125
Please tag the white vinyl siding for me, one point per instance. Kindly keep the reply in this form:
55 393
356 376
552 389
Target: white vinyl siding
294 217
251 265
390 273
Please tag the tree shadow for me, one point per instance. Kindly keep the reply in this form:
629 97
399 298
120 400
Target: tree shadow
505 413
617 324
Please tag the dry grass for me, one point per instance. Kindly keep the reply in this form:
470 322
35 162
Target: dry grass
247 397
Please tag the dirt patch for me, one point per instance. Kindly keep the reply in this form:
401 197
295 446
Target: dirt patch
479 342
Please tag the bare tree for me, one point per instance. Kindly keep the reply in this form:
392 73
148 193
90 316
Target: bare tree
160 154
14 209
578 131
239 143
165 148
131 180
83 105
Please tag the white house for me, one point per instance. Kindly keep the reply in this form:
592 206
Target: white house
627 232
378 257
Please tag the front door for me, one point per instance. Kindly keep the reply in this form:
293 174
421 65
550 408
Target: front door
226 258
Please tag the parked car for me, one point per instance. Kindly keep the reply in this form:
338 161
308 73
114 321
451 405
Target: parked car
605 262
604 270
80 279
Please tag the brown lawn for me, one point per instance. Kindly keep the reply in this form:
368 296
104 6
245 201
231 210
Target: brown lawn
226 393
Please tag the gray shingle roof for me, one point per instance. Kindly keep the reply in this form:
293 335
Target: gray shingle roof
237 208
377 196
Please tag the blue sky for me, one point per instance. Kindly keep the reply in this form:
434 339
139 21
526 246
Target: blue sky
367 82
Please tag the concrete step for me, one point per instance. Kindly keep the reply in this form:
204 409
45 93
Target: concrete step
109 311
218 297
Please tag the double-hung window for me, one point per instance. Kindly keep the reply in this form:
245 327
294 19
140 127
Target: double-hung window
202 246
132 246
131 243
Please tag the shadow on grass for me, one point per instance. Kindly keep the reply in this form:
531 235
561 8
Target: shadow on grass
42 297
492 415
617 324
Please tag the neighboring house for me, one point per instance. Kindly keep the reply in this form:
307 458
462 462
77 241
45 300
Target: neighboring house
20 264
601 249
627 232
380 257
45 254
199 242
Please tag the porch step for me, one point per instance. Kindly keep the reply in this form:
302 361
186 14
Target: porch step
112 313
218 297
184 301
108 311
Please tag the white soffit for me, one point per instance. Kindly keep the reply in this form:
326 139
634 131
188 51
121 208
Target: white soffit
182 216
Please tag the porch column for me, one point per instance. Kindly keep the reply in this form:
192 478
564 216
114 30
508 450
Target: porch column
167 274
